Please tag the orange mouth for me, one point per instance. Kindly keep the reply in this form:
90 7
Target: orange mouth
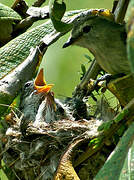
40 84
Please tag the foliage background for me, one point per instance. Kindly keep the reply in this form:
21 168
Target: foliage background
62 66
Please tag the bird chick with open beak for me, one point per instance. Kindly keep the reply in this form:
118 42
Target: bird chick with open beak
37 103
96 30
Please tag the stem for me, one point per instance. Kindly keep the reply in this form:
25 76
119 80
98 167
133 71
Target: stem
120 10
91 73
38 3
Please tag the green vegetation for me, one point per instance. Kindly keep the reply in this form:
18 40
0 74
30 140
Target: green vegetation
63 66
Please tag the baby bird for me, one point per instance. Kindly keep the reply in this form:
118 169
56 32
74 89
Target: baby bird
37 103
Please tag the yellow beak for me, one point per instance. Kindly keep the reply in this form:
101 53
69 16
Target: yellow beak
40 83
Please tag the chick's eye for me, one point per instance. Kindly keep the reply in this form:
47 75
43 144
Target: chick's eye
27 85
86 29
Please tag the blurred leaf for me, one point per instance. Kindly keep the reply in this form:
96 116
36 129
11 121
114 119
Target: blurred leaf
83 69
57 11
108 125
96 142
128 168
1 126
130 35
3 176
121 115
121 130
115 139
112 169
105 126
101 127
88 57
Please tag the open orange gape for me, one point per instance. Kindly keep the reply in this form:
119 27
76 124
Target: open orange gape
40 84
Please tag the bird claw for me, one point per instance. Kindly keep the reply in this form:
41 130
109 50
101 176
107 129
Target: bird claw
107 78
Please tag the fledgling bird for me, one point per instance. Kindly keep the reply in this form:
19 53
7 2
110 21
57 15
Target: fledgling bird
37 103
96 30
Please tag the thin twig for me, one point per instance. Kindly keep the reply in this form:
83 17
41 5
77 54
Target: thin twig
120 10
15 3
26 23
38 3
91 73
21 7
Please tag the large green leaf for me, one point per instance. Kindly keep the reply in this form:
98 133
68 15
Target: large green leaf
7 13
112 169
128 167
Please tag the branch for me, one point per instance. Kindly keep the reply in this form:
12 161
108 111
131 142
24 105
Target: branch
120 10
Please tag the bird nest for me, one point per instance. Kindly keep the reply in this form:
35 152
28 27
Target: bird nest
38 154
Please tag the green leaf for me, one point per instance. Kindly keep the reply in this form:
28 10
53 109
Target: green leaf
105 126
121 115
112 169
130 35
83 68
95 141
121 130
128 167
88 57
101 127
7 13
57 11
